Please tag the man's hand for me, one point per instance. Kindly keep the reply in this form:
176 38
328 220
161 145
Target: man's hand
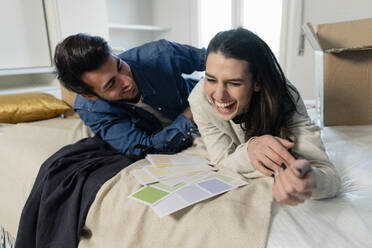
294 184
188 114
267 153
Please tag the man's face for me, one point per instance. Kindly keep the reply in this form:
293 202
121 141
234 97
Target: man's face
113 81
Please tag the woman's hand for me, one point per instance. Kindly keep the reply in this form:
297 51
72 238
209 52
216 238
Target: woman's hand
267 153
294 184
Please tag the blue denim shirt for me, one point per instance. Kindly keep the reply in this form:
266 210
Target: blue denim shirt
157 67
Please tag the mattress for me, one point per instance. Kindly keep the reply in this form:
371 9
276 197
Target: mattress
23 148
343 221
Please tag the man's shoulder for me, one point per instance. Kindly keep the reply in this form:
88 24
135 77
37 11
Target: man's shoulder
147 49
158 44
99 105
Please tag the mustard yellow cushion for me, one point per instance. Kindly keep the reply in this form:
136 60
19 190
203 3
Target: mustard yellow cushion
15 108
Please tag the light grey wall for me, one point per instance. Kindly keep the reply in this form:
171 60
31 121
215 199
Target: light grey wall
130 11
300 69
181 16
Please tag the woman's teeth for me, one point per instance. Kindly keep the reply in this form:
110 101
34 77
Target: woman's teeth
224 105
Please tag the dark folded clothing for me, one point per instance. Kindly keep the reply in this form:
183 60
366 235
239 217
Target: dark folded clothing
64 189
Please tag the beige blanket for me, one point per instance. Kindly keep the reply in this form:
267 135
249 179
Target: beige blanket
238 218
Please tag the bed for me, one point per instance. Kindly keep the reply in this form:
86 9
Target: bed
115 221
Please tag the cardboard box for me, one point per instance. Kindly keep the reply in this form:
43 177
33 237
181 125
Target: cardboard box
343 71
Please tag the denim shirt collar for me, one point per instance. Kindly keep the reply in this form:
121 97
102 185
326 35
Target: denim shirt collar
145 88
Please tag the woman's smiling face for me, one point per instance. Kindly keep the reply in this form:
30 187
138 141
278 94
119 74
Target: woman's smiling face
228 85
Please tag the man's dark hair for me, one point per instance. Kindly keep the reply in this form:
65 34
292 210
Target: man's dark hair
271 107
76 55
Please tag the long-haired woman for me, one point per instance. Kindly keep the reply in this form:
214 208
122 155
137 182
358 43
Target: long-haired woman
254 122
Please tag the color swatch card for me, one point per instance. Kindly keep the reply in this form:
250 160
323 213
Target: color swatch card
165 199
173 182
174 169
171 173
185 178
195 192
148 195
143 177
161 160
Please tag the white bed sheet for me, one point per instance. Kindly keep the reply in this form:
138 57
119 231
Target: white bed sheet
344 221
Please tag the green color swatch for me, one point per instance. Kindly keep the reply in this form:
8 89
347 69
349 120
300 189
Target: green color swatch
150 195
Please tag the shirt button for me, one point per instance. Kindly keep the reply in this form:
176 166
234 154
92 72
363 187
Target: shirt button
133 107
188 133
183 139
159 108
191 129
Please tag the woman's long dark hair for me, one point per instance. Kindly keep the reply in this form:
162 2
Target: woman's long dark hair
271 108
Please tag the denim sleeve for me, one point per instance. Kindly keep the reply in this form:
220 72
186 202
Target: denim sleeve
186 59
123 135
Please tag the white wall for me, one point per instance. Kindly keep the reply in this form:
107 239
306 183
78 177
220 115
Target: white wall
67 17
24 40
179 15
130 11
300 69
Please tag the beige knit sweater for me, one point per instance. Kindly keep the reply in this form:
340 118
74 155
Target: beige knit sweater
227 148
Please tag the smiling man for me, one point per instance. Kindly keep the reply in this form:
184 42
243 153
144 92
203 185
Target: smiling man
136 99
